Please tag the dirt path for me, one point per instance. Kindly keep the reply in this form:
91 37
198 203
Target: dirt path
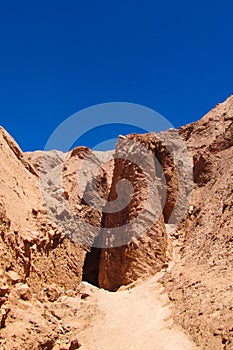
138 318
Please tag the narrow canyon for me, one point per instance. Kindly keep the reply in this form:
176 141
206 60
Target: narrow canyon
152 268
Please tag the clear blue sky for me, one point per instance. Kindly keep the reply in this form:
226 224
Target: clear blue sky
58 57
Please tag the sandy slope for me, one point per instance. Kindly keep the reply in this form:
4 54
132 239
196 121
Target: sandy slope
137 318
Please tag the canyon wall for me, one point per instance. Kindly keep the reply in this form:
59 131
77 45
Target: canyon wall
201 283
31 244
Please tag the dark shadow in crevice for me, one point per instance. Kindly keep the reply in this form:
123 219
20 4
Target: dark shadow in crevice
91 267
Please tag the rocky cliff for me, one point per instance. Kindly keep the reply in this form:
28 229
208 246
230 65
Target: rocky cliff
137 231
159 169
201 282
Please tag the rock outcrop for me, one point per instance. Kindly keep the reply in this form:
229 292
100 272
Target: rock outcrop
159 168
31 243
34 253
200 284
134 232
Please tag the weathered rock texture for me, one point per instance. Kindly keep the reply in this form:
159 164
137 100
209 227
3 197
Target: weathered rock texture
201 284
145 252
72 185
34 254
160 170
31 244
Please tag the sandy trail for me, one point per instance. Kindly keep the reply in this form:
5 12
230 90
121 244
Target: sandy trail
137 318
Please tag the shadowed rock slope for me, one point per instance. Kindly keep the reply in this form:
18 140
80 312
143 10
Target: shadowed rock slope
38 262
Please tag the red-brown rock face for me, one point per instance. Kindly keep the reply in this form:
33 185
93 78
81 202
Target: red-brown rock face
201 284
137 236
31 244
159 169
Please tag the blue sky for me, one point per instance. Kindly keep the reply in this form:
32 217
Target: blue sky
59 57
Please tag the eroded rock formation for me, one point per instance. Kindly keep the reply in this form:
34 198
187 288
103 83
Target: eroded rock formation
42 262
201 283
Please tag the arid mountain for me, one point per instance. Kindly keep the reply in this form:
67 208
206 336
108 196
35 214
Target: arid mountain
175 230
